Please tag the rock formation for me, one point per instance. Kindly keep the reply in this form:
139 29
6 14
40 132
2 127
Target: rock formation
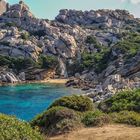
3 6
72 33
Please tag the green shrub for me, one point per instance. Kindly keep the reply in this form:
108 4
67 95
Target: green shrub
11 24
4 60
57 120
13 129
126 117
78 103
129 46
95 118
91 40
4 43
23 63
92 60
38 33
16 63
25 36
46 61
128 100
98 60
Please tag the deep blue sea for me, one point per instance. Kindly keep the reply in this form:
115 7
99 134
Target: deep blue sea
26 101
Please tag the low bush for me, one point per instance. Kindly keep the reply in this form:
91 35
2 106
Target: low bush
91 40
11 24
13 129
57 120
126 117
25 36
20 63
97 60
128 100
46 61
129 46
78 103
16 63
38 33
95 118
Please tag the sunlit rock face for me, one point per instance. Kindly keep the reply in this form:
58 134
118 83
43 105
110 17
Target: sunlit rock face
100 18
3 6
65 37
19 10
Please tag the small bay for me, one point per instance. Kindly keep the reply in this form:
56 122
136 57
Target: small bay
27 100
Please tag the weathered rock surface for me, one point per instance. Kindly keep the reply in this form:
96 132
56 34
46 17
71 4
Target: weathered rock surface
3 6
8 76
23 35
99 18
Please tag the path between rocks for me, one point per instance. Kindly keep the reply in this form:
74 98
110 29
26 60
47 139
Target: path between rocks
109 132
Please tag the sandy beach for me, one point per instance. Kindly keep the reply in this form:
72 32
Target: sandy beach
52 81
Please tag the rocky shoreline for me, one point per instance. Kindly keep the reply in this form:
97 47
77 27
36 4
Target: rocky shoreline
50 81
101 91
99 49
97 92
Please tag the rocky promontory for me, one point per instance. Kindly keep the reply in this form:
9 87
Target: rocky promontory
92 48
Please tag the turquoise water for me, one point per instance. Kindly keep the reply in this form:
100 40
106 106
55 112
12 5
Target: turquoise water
26 101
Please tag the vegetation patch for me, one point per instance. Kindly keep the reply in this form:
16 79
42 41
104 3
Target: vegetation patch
126 117
129 46
78 103
57 120
97 60
128 100
25 36
46 61
91 40
16 63
13 129
10 24
95 118
21 63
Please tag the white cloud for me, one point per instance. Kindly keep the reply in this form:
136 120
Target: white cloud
132 1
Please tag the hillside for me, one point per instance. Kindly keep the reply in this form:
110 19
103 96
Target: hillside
97 48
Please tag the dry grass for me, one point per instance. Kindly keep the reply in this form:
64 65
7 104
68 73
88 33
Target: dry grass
108 132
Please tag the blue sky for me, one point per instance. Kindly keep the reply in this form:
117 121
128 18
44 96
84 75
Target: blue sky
50 8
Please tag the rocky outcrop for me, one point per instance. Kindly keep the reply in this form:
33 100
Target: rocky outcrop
8 77
35 74
3 6
20 10
107 88
131 68
96 19
23 35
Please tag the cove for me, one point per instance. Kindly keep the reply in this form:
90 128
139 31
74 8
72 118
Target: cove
28 100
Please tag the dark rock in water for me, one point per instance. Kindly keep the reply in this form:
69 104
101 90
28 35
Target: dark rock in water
85 88
70 83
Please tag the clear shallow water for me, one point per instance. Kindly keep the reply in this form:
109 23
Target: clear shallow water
26 101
